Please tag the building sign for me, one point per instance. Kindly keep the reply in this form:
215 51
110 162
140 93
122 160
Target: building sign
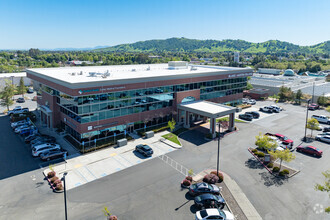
112 88
239 75
89 128
88 90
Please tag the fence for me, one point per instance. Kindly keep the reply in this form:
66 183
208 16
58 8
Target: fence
180 168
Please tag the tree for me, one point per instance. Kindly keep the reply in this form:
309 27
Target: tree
322 100
171 124
284 155
264 142
7 94
21 87
299 94
328 109
312 124
249 86
325 187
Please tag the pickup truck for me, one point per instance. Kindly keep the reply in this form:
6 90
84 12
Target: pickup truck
285 140
18 111
322 119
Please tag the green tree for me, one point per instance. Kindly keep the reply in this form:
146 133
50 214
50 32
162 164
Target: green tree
264 142
312 124
322 100
328 109
299 94
21 87
249 86
171 124
284 155
7 94
325 187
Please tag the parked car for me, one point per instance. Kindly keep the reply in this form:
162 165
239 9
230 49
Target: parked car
322 119
285 140
267 109
17 124
326 129
208 200
214 213
20 100
23 110
325 133
275 108
280 146
43 138
53 154
30 90
324 138
310 150
200 188
254 114
30 138
144 149
313 106
251 102
18 129
246 117
37 150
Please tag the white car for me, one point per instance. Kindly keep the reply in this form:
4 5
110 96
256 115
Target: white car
266 109
251 102
322 119
18 123
214 214
324 138
276 108
279 144
37 150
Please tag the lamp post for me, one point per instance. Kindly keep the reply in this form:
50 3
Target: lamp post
65 208
305 137
218 151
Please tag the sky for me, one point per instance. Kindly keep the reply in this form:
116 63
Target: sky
52 24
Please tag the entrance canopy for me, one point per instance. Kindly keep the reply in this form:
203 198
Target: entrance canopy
207 109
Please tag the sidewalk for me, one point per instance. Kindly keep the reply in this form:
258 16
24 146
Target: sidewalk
95 165
243 202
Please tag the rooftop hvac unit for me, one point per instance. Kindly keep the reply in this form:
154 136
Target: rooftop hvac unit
133 70
92 74
106 74
80 73
148 68
73 74
193 68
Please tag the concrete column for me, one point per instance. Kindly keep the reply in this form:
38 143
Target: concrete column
212 127
231 122
186 120
204 119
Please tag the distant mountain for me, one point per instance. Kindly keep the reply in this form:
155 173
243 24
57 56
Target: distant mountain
192 45
76 49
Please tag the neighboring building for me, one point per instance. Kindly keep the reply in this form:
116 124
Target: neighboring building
91 101
79 63
289 72
256 94
15 77
269 71
236 57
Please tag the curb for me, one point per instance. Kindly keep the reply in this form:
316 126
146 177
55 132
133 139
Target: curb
260 161
51 185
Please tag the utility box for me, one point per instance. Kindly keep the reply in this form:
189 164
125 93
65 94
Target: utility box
150 134
122 142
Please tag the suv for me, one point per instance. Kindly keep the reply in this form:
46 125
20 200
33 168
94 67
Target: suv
37 150
144 149
322 119
275 108
18 111
254 114
246 117
266 109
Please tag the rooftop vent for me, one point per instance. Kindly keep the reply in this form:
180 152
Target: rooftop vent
106 74
80 73
92 74
133 70
148 68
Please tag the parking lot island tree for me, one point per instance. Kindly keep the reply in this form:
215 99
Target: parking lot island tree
7 94
21 87
312 124
299 95
171 124
325 187
263 142
284 155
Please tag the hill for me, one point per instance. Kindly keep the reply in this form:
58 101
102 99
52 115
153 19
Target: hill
192 45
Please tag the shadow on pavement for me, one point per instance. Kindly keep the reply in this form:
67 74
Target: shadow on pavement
188 196
193 209
139 155
252 163
271 180
195 137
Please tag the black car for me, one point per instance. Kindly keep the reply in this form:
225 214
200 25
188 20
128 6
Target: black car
209 201
326 129
254 114
20 100
30 90
200 188
246 117
144 149
53 154
43 139
31 137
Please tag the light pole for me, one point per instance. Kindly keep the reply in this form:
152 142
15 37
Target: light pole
218 151
65 208
305 137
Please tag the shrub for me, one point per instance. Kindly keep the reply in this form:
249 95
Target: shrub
59 187
53 179
220 175
285 171
189 178
254 150
186 182
211 179
282 173
51 174
56 182
261 154
113 217
276 169
270 165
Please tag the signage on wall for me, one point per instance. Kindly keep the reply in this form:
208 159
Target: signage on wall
89 128
88 90
104 125
102 89
112 88
239 75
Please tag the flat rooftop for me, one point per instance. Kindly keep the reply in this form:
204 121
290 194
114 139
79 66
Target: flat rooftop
76 75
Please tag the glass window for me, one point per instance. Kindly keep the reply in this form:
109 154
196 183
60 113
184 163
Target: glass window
116 113
86 109
95 108
124 111
103 106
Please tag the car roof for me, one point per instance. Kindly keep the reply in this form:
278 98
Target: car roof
202 185
207 196
281 135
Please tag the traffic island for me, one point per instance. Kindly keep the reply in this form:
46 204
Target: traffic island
54 182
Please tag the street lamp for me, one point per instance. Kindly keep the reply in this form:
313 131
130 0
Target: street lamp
66 213
218 151
305 137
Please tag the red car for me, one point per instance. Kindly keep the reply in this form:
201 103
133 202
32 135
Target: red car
310 150
313 106
285 140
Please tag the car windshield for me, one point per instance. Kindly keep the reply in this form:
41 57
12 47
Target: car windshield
146 147
285 138
203 213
